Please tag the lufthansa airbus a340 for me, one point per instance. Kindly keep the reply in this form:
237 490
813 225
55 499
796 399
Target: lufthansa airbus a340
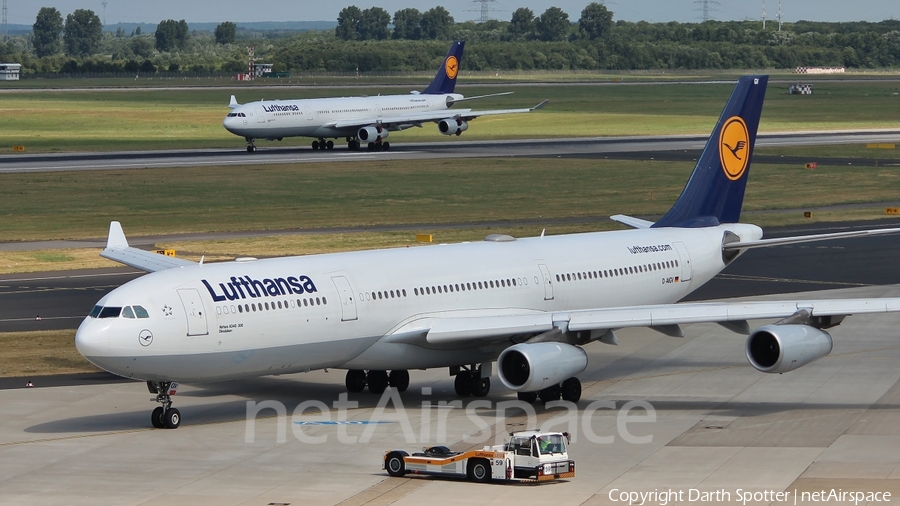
530 305
363 121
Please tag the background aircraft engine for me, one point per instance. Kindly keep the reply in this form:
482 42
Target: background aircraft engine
782 348
369 134
451 126
533 367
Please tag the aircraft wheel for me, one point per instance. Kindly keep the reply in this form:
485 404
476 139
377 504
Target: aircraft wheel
329 145
571 390
249 149
529 397
355 381
315 145
371 146
399 379
379 146
172 418
386 146
378 381
462 383
479 470
550 393
481 387
156 418
395 465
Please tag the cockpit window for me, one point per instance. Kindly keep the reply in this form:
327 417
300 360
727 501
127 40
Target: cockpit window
141 312
110 312
96 311
127 312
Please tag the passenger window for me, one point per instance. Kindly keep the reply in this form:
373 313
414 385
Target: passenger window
127 312
110 312
96 311
324 302
404 292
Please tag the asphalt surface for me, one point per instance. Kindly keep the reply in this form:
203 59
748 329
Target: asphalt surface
270 153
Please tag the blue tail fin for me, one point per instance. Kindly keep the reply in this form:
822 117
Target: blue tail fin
715 191
445 79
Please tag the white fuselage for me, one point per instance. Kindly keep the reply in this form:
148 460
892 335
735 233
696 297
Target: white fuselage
322 117
302 313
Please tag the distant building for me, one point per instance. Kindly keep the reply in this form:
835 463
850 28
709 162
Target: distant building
819 70
10 71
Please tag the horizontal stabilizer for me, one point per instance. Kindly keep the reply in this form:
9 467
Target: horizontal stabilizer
631 221
780 241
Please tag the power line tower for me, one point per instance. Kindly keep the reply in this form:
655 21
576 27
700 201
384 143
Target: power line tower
705 7
780 15
485 9
104 13
5 26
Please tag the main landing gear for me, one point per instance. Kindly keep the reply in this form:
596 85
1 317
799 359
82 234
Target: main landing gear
164 416
569 390
379 145
352 143
377 381
322 144
469 381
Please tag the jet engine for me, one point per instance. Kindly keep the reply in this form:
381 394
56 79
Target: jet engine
533 367
783 348
369 134
452 126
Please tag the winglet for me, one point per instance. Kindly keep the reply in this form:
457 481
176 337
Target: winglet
233 103
116 236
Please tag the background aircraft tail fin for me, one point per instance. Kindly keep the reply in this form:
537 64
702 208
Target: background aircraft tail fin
445 79
715 191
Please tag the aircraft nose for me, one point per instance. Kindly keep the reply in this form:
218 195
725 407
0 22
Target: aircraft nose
92 338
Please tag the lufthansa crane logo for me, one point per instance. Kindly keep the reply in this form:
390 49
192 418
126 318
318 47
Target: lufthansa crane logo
734 147
451 67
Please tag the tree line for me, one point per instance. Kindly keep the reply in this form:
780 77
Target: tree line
411 40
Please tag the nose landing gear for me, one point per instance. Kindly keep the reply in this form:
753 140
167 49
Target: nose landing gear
164 416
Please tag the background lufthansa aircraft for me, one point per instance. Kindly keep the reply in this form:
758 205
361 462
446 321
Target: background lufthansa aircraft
528 304
361 120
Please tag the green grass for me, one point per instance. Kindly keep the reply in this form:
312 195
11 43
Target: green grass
137 119
164 201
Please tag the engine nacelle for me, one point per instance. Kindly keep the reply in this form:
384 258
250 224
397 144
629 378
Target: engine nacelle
783 348
370 134
451 126
533 367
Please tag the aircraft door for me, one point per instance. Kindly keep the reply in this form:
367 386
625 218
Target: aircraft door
194 311
548 284
348 305
309 114
260 115
685 259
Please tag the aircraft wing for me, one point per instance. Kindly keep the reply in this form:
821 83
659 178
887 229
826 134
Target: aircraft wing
450 330
118 250
434 116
